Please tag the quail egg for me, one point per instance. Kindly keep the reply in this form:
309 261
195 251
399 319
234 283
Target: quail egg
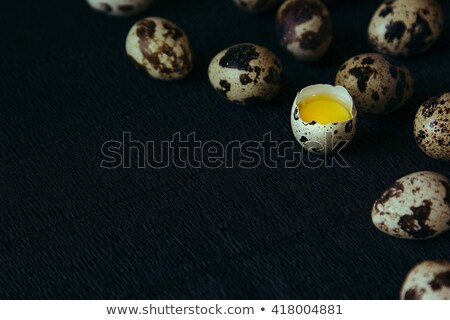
416 206
323 119
377 83
255 5
304 28
120 8
406 27
246 74
161 48
432 127
429 280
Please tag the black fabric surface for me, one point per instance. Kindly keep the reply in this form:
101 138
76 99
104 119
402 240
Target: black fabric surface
70 229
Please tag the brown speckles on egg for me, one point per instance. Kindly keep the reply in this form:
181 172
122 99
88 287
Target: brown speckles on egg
447 192
364 75
429 280
239 57
393 70
429 107
120 8
420 35
440 281
253 72
295 114
420 136
416 223
406 27
304 28
394 30
394 191
375 96
432 127
106 7
413 207
367 60
224 87
303 139
172 30
245 79
349 127
386 9
273 76
414 294
161 48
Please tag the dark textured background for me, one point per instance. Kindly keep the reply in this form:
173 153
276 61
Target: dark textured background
69 229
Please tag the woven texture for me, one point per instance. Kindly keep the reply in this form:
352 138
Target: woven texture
69 229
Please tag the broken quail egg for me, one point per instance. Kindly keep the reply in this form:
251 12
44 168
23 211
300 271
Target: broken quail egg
406 27
120 8
246 74
377 83
161 48
255 5
432 127
323 118
429 280
416 206
304 28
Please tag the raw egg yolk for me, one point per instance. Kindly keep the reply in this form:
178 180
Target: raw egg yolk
323 109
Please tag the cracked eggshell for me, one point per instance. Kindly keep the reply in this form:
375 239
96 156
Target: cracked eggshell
416 206
377 83
246 74
304 28
120 8
429 280
161 48
406 27
255 5
318 138
432 127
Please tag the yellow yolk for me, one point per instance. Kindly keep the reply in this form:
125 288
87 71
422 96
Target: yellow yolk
323 109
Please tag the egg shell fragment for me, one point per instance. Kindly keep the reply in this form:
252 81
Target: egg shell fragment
319 138
120 8
416 206
377 83
161 48
406 27
432 127
304 28
255 6
246 74
429 280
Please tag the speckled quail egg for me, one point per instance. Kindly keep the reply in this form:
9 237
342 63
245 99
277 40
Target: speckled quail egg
323 119
406 27
255 5
246 74
416 206
432 127
377 83
304 28
120 8
161 48
429 280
